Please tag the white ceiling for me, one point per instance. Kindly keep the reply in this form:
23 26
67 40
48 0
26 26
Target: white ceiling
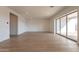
37 12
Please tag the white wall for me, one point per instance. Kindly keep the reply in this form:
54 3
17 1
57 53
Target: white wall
4 27
52 25
38 25
22 24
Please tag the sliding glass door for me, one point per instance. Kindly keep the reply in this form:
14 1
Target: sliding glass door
72 26
63 26
58 26
67 26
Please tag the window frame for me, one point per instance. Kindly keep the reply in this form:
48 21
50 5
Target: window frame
66 25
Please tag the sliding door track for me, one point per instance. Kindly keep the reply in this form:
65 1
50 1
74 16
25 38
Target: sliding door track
67 37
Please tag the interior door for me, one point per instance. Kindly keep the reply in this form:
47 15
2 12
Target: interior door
13 24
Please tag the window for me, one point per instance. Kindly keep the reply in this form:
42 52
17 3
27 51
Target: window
67 26
72 26
58 25
63 26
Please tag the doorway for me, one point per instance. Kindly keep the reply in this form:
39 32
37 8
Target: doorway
13 25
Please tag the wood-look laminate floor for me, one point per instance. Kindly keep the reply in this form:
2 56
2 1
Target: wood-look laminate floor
38 42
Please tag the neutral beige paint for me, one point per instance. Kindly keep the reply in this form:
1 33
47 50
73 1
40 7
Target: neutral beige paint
13 24
51 25
38 25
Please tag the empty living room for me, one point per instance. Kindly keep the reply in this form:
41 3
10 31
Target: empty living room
39 28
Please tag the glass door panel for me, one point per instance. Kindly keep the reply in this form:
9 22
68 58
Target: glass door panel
63 26
72 26
58 26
